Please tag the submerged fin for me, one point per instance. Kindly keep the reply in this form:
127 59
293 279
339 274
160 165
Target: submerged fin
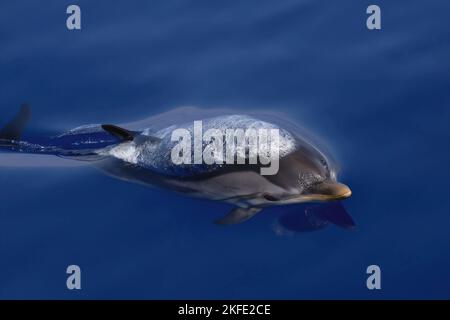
312 217
13 130
238 215
335 213
299 219
121 133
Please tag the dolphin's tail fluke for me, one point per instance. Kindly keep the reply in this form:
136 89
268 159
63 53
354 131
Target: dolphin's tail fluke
18 152
13 130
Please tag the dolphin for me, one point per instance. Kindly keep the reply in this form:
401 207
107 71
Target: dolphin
305 174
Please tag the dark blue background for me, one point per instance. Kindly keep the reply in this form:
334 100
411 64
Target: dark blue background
379 98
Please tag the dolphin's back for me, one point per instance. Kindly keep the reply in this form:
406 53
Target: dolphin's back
81 141
157 156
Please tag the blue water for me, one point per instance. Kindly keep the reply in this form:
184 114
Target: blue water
380 100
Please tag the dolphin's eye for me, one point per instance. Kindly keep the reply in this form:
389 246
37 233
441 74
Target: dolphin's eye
325 166
324 163
270 197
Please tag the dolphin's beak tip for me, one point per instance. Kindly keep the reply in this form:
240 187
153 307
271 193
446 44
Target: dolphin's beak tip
347 192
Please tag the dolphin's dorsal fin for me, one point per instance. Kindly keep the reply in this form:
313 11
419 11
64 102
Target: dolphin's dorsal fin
13 130
238 215
121 133
127 135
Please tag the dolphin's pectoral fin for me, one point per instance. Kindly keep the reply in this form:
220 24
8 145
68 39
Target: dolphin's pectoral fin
335 213
298 218
238 215
311 217
13 130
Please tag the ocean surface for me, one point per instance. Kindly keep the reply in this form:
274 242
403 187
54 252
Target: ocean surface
379 100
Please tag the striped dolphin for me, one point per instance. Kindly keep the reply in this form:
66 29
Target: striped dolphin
143 156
